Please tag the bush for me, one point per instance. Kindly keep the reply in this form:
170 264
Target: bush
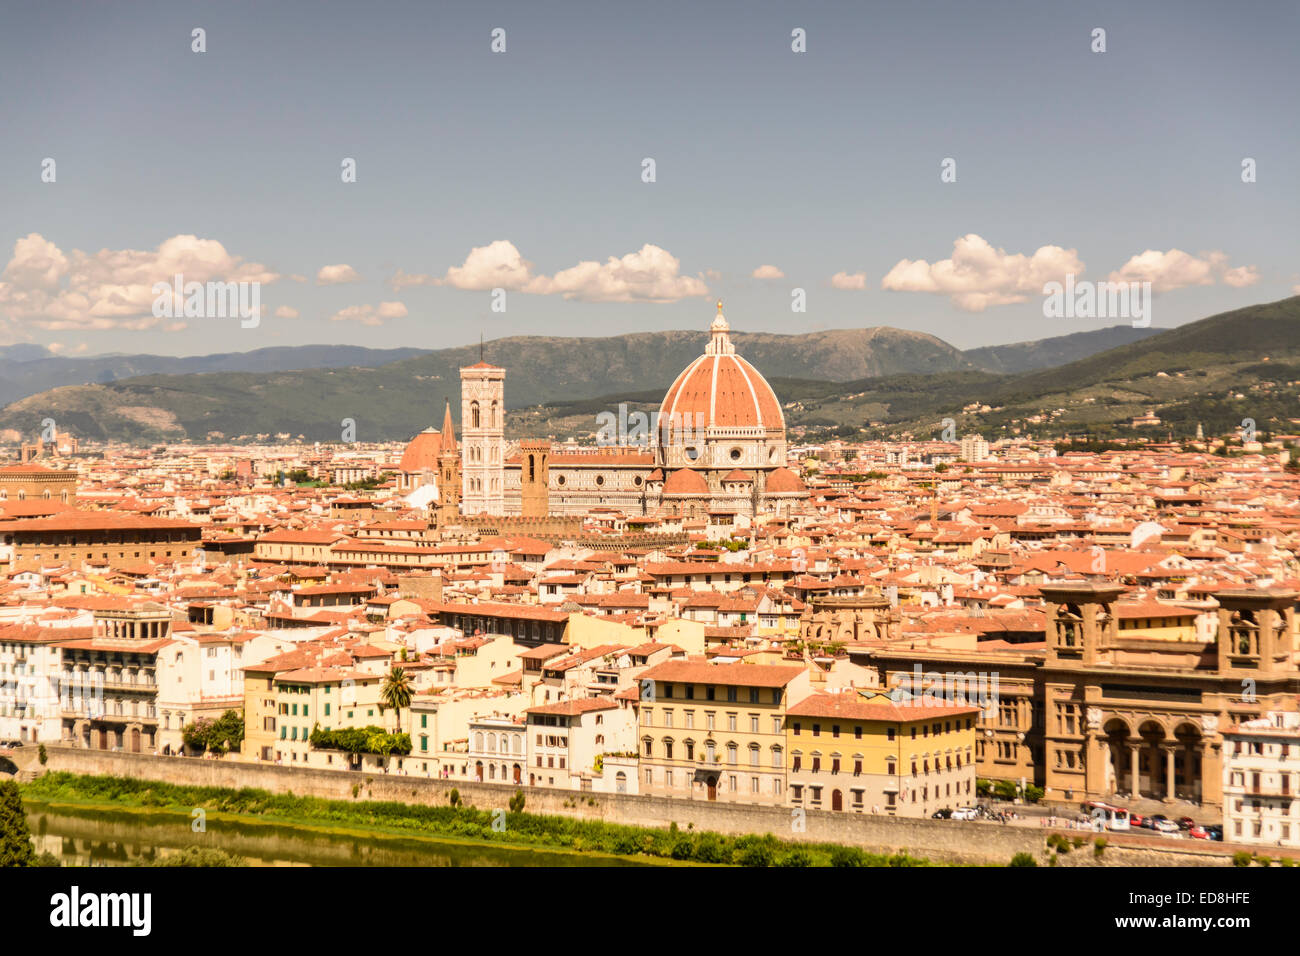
1059 843
1241 859
1098 847
1023 859
42 755
755 850
1033 793
517 802
796 857
848 856
454 797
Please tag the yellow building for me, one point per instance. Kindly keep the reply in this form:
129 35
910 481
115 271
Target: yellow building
716 731
334 698
864 753
1149 620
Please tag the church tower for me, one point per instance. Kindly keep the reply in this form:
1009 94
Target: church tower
535 478
482 429
448 474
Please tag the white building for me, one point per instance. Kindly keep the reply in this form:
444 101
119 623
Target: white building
1261 781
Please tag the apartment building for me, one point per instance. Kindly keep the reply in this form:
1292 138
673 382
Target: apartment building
565 738
862 752
717 731
1261 781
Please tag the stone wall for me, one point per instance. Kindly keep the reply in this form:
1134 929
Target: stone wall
938 840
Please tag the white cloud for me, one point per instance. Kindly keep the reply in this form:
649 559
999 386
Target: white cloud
650 274
1176 269
286 312
337 275
979 275
112 288
768 272
59 348
496 265
1295 289
844 280
402 280
370 314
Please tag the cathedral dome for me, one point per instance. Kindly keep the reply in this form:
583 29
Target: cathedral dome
721 390
684 481
782 481
422 452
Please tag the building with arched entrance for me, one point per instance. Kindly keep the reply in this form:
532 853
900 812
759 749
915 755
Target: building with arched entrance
1093 713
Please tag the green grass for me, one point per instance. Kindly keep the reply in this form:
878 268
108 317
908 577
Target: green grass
455 823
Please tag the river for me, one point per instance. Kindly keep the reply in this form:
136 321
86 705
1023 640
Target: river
95 836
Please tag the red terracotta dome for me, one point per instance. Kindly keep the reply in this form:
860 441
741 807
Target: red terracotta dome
684 481
737 475
722 390
422 452
784 481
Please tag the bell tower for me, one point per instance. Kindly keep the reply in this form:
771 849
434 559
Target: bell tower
448 474
535 478
482 429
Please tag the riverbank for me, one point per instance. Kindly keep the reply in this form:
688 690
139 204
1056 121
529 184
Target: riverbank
446 824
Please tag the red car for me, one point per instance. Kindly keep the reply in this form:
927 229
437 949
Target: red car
1198 832
1186 823
1135 819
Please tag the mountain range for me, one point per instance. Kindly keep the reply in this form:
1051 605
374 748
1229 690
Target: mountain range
870 381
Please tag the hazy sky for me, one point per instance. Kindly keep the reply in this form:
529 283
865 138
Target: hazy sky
824 165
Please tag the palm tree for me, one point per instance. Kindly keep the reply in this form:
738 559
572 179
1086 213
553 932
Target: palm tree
396 693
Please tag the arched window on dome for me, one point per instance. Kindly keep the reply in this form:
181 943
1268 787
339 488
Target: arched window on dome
473 415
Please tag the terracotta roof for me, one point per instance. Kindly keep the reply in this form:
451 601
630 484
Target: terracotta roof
733 675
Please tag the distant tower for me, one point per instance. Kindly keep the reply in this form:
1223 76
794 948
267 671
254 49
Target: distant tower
1200 432
482 430
535 478
448 474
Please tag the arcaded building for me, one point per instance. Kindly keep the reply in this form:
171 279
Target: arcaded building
1095 714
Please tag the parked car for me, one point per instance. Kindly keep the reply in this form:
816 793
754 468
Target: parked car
1198 833
964 813
1215 832
1186 823
1148 823
1166 827
1136 820
943 814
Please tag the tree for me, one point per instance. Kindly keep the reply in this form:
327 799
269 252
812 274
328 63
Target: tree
15 838
226 732
195 735
396 693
